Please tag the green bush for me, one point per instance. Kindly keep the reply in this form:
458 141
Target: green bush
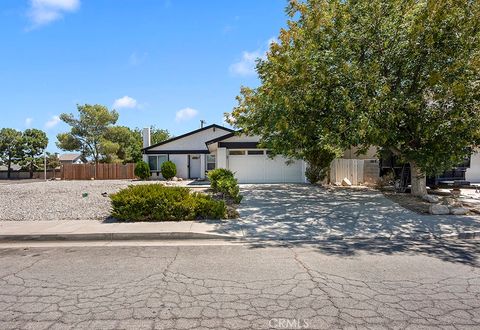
169 170
154 202
223 181
142 170
217 174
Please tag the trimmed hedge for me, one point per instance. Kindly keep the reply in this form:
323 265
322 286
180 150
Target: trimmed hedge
142 170
169 170
223 181
154 202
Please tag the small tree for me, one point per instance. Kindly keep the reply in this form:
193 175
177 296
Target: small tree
169 170
142 170
34 143
53 162
11 147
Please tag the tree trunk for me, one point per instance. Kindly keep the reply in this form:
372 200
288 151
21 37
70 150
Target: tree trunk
31 170
419 180
9 167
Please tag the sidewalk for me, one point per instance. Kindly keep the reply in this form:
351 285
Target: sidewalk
94 230
79 230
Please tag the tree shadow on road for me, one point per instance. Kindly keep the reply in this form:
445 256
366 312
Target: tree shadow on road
457 251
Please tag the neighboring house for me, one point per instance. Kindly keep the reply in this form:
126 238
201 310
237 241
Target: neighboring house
214 146
70 159
14 167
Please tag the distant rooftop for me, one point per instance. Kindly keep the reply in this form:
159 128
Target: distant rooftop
69 157
15 167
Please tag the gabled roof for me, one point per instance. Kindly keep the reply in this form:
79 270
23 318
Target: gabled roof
68 157
14 167
188 134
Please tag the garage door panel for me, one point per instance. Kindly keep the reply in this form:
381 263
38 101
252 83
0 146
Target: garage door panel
261 169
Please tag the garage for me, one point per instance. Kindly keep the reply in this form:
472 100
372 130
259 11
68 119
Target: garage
255 166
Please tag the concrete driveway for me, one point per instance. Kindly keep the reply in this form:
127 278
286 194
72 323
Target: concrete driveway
305 212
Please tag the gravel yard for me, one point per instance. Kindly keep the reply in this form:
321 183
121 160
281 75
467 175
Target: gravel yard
59 200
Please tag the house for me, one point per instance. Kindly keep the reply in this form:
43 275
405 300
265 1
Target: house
70 159
215 146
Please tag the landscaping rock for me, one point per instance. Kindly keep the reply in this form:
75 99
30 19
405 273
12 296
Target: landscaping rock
449 201
174 178
346 182
438 209
458 210
431 198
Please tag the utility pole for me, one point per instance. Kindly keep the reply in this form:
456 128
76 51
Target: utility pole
45 164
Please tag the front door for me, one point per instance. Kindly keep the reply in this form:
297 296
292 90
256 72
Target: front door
194 166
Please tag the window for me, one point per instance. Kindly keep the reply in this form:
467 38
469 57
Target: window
237 152
255 152
155 162
210 162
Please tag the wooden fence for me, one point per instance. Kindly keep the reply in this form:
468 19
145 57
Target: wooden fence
358 171
98 172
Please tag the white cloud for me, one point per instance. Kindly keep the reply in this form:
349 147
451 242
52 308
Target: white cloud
42 12
246 65
185 114
125 102
28 122
52 122
137 59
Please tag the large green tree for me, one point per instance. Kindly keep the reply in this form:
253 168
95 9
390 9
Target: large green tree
11 147
157 135
402 75
88 130
124 144
35 142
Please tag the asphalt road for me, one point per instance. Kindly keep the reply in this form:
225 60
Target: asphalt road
334 284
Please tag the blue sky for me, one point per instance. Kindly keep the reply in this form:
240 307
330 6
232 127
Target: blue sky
168 63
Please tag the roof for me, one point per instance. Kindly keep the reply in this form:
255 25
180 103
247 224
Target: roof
223 137
69 157
15 167
188 134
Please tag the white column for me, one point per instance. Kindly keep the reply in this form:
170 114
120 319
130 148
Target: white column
203 168
222 158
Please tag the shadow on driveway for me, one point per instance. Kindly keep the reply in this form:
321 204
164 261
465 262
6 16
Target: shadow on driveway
293 212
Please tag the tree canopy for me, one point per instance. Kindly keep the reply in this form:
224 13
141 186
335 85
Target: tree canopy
399 75
88 130
11 147
34 142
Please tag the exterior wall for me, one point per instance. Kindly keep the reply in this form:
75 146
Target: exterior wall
221 158
242 138
473 173
194 141
182 165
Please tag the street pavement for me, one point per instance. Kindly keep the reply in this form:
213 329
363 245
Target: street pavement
376 284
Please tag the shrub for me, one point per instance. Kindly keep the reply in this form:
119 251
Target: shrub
215 175
315 173
223 181
155 202
142 170
169 170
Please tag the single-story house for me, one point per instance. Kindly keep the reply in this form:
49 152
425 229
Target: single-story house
215 146
70 159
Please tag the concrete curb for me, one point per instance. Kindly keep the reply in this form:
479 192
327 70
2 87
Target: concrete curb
112 236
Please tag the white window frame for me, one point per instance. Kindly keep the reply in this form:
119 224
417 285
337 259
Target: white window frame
207 162
159 162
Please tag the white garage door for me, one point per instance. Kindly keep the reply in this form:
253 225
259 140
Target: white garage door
251 167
